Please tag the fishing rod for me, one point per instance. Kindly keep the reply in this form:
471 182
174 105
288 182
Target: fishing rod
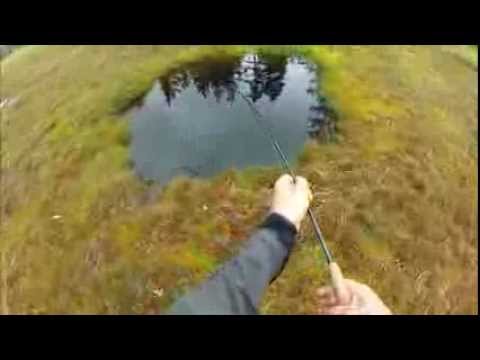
335 273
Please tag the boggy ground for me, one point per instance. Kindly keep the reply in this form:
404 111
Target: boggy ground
395 193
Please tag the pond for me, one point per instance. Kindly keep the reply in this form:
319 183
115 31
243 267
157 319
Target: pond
197 119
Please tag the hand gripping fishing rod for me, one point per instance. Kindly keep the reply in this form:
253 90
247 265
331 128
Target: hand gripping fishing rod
335 272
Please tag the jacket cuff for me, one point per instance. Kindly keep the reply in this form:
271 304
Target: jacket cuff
285 230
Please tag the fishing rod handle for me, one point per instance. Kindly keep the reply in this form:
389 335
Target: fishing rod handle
338 281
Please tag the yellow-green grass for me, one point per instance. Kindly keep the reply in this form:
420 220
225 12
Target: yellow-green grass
395 194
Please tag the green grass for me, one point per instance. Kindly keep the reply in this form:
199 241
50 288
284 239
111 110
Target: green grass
395 195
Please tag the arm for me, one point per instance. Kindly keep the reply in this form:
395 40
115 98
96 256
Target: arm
239 285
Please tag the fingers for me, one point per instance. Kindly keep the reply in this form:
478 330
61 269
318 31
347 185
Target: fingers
340 310
328 303
361 290
303 187
286 179
283 181
324 291
300 184
361 301
326 297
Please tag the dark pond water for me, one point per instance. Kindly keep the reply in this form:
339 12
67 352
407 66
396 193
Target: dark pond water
194 122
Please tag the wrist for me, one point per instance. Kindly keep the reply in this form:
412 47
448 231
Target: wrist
277 219
288 216
284 230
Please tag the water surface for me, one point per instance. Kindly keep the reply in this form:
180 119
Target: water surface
194 121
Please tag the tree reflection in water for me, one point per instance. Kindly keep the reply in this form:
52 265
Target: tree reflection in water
263 75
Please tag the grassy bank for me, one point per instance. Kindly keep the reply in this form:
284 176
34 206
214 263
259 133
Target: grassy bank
396 195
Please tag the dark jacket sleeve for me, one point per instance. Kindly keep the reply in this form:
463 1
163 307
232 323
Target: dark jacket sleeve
238 286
